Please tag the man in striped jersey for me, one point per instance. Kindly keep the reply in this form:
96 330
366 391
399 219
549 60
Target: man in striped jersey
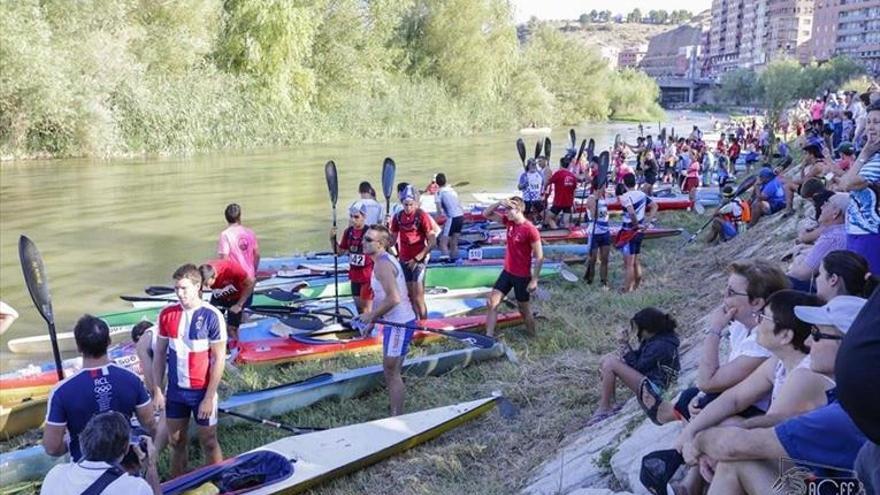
192 345
635 204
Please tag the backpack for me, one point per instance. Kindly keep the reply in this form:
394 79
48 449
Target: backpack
746 210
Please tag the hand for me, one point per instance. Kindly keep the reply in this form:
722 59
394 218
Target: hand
235 308
158 400
333 232
870 149
693 406
707 467
533 285
150 454
623 335
720 318
412 264
690 453
206 407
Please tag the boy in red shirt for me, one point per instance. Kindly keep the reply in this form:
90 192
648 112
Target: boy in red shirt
563 183
360 265
416 234
523 242
231 289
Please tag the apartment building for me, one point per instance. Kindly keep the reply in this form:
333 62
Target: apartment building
848 27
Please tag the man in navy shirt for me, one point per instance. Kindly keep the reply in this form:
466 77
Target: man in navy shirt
98 387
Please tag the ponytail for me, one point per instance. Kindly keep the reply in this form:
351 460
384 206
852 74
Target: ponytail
852 269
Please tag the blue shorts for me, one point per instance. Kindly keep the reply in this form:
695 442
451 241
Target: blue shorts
728 230
634 246
396 339
777 206
601 240
181 404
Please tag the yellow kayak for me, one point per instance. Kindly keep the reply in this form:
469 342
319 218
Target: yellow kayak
21 417
12 396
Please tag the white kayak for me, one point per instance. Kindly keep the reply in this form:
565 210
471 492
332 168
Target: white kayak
535 130
297 463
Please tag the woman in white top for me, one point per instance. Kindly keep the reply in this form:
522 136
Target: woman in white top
392 306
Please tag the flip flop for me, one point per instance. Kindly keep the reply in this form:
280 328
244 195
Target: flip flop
597 418
651 412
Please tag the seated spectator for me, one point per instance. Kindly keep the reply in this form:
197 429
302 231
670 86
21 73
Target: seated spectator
747 457
730 218
814 165
862 181
749 285
105 441
770 196
847 157
832 237
655 361
813 190
844 273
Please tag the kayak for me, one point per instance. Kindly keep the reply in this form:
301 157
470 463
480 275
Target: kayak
32 463
302 347
535 130
449 276
576 234
19 418
297 463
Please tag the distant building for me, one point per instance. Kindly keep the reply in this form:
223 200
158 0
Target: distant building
677 53
630 57
850 28
725 37
789 28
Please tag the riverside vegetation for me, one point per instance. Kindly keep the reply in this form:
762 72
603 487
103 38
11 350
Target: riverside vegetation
116 77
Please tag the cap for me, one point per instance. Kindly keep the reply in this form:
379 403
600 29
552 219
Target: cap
358 207
840 312
766 173
846 148
814 142
408 193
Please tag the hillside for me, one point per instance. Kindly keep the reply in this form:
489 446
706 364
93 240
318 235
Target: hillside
610 34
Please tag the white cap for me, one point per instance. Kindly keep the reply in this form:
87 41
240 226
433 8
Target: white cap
840 312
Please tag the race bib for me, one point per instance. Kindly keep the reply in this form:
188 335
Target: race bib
356 259
475 254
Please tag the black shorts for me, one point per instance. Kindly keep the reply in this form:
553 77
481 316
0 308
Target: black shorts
650 176
453 226
687 395
416 274
520 285
556 210
232 319
536 206
601 240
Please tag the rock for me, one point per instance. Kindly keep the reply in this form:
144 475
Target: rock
647 438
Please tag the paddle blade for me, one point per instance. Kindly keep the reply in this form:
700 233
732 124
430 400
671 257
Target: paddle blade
521 149
591 149
389 169
604 163
699 208
158 290
572 139
567 274
302 322
617 140
537 149
35 278
547 148
332 181
581 150
745 185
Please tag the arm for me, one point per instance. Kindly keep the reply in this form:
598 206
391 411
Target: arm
384 271
538 253
335 248
431 237
142 349
851 180
146 417
218 364
653 208
256 255
53 440
160 358
491 214
738 444
246 292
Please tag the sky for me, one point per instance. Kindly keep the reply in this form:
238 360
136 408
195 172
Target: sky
572 9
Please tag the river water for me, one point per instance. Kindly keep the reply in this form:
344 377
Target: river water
107 228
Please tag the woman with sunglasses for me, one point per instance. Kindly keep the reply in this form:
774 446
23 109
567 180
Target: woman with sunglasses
654 362
360 265
843 273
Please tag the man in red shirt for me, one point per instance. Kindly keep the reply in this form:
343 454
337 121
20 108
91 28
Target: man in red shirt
232 289
523 242
563 183
360 265
416 234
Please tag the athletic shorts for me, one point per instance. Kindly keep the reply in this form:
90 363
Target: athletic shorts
690 183
775 207
601 240
182 403
396 339
520 285
232 319
688 394
416 274
728 230
452 226
634 246
362 290
536 206
556 210
650 176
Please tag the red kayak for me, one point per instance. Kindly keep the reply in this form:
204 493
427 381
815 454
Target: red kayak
321 345
579 234
664 204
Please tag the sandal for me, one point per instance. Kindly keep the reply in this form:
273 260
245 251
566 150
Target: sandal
598 417
651 412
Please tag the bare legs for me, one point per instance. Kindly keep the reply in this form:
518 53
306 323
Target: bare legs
391 367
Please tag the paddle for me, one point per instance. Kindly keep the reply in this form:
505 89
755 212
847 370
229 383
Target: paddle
580 154
537 149
389 169
604 160
333 188
521 149
591 149
38 286
274 424
572 139
747 183
547 144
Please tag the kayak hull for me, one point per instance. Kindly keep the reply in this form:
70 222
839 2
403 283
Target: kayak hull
21 417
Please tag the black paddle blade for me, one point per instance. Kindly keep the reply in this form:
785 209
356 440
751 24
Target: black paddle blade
617 140
389 170
591 149
537 149
604 163
332 181
521 149
581 151
547 144
302 322
282 295
572 139
35 277
158 290
745 185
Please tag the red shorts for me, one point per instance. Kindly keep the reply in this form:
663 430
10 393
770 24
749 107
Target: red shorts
690 184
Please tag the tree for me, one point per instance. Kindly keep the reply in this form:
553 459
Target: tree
584 19
605 15
594 15
739 87
634 16
662 17
781 84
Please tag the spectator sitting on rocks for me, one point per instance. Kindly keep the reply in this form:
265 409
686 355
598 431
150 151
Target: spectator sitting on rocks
833 237
654 362
813 190
770 197
844 273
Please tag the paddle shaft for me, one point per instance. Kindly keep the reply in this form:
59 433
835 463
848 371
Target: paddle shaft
745 185
37 282
274 424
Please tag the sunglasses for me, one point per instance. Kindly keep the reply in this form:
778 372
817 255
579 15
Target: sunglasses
819 335
730 292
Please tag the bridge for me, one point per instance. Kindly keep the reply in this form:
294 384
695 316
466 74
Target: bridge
684 90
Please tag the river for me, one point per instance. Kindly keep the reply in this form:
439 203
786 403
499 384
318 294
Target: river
111 227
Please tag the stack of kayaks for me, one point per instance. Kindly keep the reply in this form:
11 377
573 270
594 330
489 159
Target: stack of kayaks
295 464
574 234
32 463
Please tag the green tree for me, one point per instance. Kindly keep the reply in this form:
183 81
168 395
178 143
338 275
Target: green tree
739 87
594 15
634 16
781 83
584 19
